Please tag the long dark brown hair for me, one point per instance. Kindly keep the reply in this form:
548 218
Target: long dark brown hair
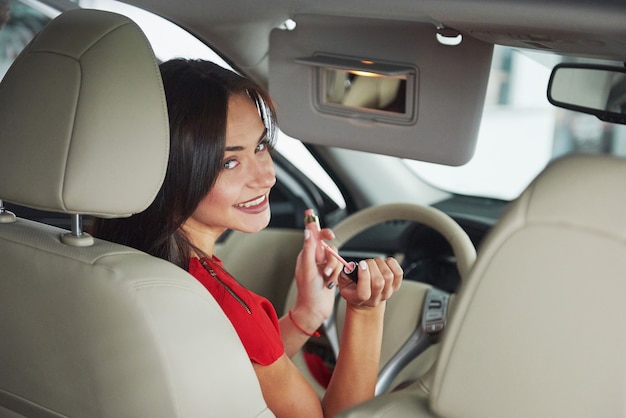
197 94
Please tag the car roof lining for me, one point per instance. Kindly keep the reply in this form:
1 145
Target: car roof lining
242 34
572 26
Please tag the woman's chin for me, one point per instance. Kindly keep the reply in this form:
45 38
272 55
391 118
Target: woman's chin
259 224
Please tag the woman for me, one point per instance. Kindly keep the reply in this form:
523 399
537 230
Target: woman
219 177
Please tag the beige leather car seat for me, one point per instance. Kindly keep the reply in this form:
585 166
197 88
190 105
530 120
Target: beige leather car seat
539 326
89 328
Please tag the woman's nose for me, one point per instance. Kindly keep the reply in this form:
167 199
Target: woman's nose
265 175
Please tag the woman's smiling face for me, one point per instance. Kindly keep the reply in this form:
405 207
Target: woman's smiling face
239 199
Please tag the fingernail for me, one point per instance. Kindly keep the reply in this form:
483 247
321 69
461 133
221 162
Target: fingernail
362 265
307 234
328 271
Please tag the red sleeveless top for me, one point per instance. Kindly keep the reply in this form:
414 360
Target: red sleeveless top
253 317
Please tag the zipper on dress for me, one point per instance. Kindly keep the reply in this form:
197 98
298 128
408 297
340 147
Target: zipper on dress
227 287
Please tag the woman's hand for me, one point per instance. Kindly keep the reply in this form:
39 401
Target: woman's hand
315 282
378 279
360 347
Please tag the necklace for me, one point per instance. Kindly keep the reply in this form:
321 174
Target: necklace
224 285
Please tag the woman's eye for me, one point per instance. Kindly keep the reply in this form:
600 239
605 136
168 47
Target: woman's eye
230 164
261 146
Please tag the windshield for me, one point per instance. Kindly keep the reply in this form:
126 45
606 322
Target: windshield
521 131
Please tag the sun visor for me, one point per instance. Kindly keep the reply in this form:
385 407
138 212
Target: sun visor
379 86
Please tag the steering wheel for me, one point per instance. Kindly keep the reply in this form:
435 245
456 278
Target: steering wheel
462 246
404 348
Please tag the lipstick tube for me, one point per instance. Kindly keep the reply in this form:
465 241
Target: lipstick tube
312 223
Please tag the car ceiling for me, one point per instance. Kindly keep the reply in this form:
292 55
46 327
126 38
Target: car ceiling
593 28
243 32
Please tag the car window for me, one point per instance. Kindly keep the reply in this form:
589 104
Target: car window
19 23
521 131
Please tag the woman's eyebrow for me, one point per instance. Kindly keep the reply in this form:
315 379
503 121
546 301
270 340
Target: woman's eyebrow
241 148
235 148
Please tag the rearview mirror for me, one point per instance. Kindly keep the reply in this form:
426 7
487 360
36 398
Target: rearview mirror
594 89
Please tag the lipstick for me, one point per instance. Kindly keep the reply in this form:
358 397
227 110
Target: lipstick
312 223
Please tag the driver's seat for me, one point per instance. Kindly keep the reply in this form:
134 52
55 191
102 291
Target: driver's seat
89 328
539 326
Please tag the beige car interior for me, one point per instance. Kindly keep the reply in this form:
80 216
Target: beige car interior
535 330
90 328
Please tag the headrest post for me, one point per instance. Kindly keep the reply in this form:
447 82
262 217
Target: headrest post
6 217
77 238
77 225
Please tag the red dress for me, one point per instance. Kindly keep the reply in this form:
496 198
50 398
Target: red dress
253 317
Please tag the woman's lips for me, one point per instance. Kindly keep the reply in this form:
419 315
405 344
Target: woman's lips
255 205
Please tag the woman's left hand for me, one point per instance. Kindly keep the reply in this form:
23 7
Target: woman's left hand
378 279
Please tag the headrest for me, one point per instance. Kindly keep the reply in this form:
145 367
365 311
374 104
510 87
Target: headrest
84 119
581 190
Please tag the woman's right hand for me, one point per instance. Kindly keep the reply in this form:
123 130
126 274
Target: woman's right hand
378 279
315 298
